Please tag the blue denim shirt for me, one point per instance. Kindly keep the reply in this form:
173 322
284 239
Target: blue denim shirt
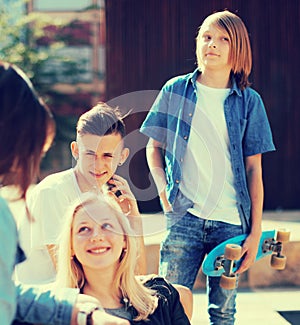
169 122
26 303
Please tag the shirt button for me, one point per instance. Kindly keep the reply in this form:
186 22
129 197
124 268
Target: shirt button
181 159
185 137
190 114
177 181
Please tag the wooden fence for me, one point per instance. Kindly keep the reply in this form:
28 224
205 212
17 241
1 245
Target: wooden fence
149 41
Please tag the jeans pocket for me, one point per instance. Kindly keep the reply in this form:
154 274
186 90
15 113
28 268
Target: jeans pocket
181 203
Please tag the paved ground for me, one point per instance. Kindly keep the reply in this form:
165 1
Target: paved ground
259 307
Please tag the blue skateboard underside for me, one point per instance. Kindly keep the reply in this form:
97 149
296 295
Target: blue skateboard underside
208 266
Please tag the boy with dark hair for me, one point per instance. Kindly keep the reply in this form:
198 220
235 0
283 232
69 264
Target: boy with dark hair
98 151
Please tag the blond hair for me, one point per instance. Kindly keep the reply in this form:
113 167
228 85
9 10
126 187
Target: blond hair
70 272
240 55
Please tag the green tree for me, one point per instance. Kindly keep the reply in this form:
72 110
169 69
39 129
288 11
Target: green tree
35 43
19 39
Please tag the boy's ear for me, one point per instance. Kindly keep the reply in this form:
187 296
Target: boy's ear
124 155
74 150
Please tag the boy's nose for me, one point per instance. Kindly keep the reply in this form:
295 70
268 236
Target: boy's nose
98 164
212 44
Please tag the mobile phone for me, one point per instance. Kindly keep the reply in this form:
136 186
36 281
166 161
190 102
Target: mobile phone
111 186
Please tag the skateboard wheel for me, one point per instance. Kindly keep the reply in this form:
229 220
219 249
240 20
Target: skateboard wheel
228 282
283 235
233 252
278 262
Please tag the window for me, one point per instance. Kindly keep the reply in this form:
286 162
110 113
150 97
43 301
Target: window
75 68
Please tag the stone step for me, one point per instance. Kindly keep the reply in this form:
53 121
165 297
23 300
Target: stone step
261 274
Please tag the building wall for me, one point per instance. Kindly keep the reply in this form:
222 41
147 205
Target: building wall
83 31
84 36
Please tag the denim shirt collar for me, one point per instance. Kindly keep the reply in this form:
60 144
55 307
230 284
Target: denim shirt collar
234 88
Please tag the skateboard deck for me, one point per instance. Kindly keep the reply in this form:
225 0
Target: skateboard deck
212 265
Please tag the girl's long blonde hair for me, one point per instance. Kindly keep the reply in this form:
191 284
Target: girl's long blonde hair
240 49
70 272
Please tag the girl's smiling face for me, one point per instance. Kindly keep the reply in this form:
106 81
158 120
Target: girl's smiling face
97 237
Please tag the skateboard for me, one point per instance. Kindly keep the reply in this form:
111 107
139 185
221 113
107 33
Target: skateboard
226 258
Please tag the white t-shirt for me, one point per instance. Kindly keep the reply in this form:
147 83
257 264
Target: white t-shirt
207 174
47 203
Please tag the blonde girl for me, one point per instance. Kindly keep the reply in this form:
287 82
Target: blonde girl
98 253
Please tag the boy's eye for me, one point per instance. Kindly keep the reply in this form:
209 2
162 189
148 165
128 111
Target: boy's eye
90 154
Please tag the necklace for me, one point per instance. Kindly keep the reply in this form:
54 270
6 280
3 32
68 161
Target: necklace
125 301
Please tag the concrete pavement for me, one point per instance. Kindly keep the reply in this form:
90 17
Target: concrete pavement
259 307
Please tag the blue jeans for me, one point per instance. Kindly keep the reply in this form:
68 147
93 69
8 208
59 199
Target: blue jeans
182 253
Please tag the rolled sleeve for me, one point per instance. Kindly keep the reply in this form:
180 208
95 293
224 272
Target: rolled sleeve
37 305
258 135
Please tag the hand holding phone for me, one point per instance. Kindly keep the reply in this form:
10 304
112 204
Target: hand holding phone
111 186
